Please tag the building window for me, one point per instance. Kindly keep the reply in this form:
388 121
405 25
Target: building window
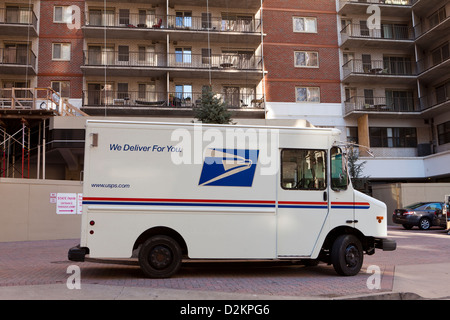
352 134
305 24
62 87
62 14
393 137
440 54
443 92
444 132
306 59
437 17
183 55
61 51
124 54
307 94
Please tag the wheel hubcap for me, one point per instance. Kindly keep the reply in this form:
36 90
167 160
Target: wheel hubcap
160 257
425 224
351 256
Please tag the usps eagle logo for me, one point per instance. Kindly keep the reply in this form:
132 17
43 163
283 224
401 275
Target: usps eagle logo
230 168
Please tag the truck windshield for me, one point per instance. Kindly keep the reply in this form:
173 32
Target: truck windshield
339 176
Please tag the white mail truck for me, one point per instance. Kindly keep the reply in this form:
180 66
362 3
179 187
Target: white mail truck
168 192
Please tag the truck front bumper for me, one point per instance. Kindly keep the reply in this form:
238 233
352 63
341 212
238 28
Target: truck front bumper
77 253
386 244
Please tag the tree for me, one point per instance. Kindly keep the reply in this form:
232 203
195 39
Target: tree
212 109
355 169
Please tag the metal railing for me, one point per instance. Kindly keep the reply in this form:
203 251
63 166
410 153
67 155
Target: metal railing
430 62
178 60
216 61
386 32
381 104
17 56
422 28
19 16
379 67
244 24
387 2
430 101
128 99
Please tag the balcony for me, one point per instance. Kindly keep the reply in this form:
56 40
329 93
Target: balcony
434 66
17 60
188 28
379 71
134 103
18 22
432 105
431 31
254 4
393 36
389 7
144 64
381 106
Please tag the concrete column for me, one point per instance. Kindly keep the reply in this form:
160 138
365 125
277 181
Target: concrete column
363 134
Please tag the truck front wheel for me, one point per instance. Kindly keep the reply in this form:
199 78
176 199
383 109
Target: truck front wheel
347 255
160 257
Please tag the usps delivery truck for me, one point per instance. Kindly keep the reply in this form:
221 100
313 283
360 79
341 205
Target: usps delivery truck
169 192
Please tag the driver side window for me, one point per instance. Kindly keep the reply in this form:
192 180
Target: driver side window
339 175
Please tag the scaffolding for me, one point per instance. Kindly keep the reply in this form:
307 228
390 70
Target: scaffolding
21 111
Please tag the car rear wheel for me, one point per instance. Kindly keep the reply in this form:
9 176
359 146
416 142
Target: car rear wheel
160 257
424 224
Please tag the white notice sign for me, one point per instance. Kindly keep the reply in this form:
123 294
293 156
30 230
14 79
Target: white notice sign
66 203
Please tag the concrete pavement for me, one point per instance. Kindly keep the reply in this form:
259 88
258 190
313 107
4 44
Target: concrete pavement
418 269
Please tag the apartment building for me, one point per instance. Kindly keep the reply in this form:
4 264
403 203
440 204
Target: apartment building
155 58
395 80
385 85
301 57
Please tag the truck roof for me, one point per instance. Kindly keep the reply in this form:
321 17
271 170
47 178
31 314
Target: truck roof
308 127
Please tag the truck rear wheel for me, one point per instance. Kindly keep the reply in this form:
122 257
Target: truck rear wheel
160 257
347 255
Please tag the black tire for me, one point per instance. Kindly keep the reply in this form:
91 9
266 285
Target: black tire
160 257
347 255
424 224
407 226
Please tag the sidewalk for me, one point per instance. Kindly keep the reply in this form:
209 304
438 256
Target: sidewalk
410 282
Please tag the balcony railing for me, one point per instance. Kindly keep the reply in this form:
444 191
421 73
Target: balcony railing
243 24
379 67
380 104
430 101
178 60
17 56
136 99
430 62
386 32
422 28
215 61
387 2
18 16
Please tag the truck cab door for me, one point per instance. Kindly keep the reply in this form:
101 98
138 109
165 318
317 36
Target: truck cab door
341 195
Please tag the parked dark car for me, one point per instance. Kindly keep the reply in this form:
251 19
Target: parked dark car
421 214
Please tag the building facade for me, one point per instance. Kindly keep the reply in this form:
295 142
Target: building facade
395 80
376 69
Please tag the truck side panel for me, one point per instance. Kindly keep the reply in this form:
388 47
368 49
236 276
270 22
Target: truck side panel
134 184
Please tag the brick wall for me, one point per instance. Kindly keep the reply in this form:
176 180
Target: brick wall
50 32
281 42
